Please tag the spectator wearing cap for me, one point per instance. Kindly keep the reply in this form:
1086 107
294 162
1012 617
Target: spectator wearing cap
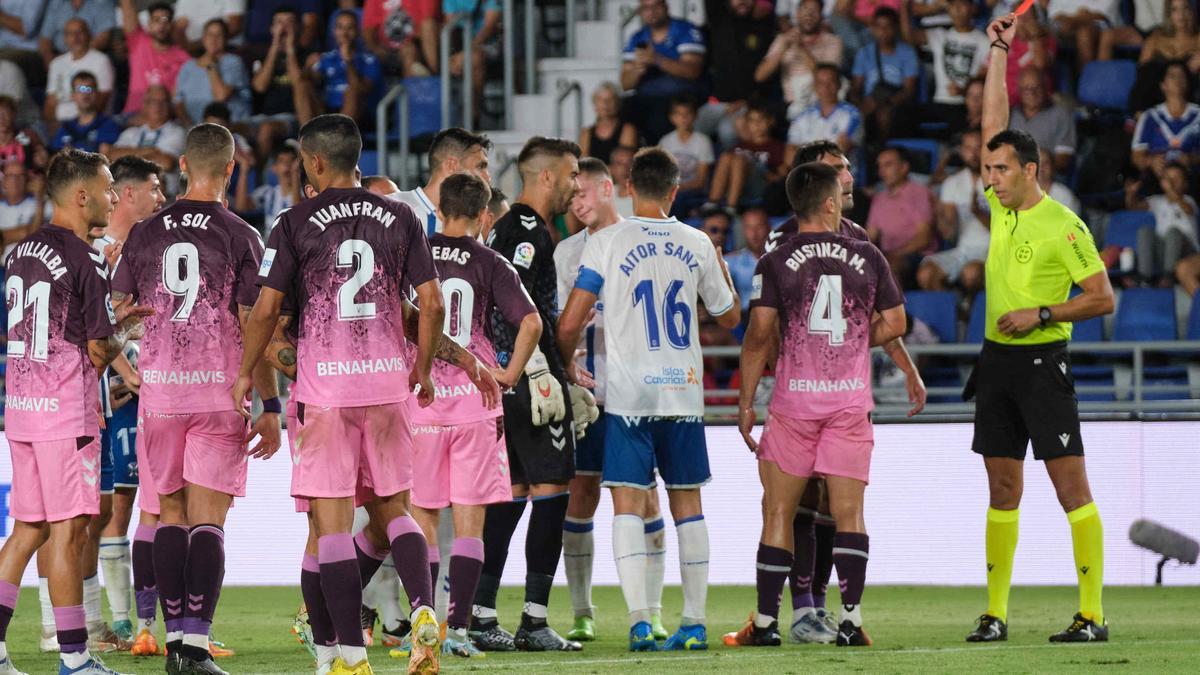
100 16
901 218
348 75
404 34
1051 124
192 16
740 40
663 58
215 76
80 57
885 76
795 54
89 129
154 58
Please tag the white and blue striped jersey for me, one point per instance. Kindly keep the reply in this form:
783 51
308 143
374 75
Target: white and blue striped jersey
649 275
566 265
421 205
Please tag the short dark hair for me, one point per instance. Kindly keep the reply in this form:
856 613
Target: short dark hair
887 13
286 148
70 166
454 141
815 150
541 146
209 149
334 138
1022 143
809 185
762 109
84 75
161 7
596 168
498 197
654 173
464 195
285 9
831 67
901 153
131 168
218 109
220 22
685 101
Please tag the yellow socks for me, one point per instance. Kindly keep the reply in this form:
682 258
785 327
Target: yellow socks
1001 547
1087 538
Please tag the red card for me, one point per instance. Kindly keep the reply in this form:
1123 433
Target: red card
1024 7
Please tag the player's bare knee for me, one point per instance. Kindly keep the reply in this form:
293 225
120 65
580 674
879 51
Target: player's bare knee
684 503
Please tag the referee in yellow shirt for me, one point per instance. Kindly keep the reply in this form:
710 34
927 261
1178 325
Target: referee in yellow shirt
1022 384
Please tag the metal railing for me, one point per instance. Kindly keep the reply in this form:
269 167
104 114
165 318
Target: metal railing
399 94
565 89
468 80
570 21
507 18
1129 398
530 51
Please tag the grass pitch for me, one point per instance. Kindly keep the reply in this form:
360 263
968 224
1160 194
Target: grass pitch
916 630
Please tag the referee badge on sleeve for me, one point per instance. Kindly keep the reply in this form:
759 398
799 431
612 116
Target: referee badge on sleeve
523 256
756 287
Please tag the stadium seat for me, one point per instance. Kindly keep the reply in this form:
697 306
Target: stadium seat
1145 314
1106 84
976 324
936 308
1193 323
1123 228
368 163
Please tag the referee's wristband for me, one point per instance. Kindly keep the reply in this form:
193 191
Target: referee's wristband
272 405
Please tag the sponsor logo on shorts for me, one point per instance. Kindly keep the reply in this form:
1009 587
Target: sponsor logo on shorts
421 429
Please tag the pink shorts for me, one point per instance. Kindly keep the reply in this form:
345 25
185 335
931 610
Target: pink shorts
205 449
147 493
340 452
479 458
54 480
838 446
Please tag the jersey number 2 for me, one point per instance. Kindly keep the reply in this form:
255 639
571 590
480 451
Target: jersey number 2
37 297
677 316
825 315
359 255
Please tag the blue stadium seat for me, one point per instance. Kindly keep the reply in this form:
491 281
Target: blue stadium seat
368 163
976 324
1106 84
1145 314
925 152
1123 227
1193 324
936 308
776 221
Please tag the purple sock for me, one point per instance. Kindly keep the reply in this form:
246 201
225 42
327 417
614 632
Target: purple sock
824 531
772 566
341 586
466 562
850 557
8 604
71 623
369 558
801 577
411 557
170 557
314 601
204 572
143 572
435 565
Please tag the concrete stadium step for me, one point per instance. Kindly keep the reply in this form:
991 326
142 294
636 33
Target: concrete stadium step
598 40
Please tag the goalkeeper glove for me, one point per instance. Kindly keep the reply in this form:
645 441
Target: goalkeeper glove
583 409
545 392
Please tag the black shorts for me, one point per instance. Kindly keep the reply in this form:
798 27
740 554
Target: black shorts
1025 393
544 454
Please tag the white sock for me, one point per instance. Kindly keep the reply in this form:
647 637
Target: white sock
75 659
353 655
534 610
91 601
579 547
118 575
194 640
326 654
629 551
851 613
387 595
481 612
174 636
693 568
47 608
3 651
656 564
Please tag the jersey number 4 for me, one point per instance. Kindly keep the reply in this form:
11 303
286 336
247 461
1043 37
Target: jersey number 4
825 315
677 316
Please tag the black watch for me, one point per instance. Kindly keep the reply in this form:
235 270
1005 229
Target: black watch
1044 315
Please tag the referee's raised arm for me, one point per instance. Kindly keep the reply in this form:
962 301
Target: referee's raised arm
995 89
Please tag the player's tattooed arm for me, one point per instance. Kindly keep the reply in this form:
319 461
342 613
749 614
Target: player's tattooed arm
129 326
445 349
281 353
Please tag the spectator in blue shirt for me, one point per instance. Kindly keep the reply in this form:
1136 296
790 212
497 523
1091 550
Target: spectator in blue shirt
90 131
20 21
1170 131
756 226
100 15
885 77
214 76
664 58
348 72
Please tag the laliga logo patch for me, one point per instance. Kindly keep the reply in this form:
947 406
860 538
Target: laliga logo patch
1024 253
523 256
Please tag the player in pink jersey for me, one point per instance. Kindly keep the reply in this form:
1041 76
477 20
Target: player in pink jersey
62 332
350 255
460 446
196 263
826 299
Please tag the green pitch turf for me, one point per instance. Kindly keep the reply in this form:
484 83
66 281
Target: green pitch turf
916 630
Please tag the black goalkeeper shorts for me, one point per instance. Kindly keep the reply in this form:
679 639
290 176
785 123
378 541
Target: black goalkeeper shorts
544 454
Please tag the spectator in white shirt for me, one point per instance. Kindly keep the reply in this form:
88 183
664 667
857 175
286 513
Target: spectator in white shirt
80 56
192 15
1174 236
828 118
1081 22
961 213
692 150
960 53
159 139
267 198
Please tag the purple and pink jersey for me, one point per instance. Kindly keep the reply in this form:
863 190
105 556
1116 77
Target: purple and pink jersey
788 229
826 288
58 299
474 280
349 255
194 263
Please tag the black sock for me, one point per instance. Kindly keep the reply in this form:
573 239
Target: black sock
193 652
543 541
498 527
